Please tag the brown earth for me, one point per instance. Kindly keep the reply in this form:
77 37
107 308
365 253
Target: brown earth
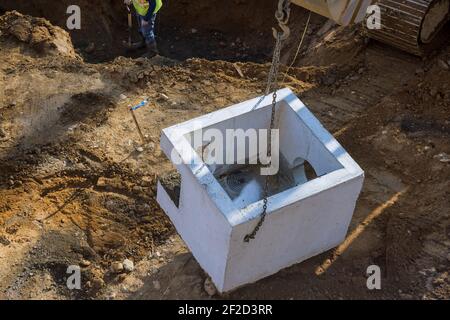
75 188
226 30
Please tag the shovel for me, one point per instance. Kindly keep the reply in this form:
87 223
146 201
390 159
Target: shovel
129 44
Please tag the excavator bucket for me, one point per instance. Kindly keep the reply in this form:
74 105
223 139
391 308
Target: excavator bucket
344 12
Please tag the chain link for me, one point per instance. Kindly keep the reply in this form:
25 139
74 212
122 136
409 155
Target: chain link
282 16
252 235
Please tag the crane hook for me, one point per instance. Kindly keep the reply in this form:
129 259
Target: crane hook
282 15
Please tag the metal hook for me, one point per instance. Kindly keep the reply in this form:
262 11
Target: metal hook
282 15
285 32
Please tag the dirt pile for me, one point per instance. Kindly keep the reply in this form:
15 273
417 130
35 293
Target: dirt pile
36 35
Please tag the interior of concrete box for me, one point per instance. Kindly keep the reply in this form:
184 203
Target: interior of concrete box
301 158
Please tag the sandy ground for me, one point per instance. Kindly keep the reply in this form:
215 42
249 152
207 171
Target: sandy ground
76 189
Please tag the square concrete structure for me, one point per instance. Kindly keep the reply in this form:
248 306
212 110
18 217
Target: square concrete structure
302 221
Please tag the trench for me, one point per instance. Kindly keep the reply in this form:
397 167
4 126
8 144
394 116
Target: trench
237 30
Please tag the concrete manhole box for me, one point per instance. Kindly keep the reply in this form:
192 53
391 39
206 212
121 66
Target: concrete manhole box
216 205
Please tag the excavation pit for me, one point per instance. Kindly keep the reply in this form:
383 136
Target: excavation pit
304 218
210 29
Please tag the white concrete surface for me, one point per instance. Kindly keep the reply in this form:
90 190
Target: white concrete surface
302 221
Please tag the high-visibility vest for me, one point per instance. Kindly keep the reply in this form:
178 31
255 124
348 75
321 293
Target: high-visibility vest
142 6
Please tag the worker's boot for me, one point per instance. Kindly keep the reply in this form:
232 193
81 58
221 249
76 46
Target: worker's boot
133 46
152 50
137 45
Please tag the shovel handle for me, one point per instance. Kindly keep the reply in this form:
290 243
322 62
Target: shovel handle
130 25
130 20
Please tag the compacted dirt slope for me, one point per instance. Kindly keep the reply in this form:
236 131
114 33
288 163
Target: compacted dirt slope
78 188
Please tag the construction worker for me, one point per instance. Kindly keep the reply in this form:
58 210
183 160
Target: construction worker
146 11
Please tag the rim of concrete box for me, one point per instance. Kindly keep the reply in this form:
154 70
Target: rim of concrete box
234 215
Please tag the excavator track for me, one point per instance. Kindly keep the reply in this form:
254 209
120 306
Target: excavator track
412 25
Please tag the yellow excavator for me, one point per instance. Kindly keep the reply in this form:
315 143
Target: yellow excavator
411 25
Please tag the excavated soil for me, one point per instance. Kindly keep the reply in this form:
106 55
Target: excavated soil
224 30
78 188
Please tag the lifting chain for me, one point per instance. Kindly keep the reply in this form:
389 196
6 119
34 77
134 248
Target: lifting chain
282 15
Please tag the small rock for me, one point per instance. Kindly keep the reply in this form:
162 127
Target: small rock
2 133
122 96
406 296
443 65
156 285
209 287
151 146
121 277
328 80
90 48
4 241
442 157
439 281
102 182
117 267
128 265
98 283
72 127
193 30
139 149
143 209
85 263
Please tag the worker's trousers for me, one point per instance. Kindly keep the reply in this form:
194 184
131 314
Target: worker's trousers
147 28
